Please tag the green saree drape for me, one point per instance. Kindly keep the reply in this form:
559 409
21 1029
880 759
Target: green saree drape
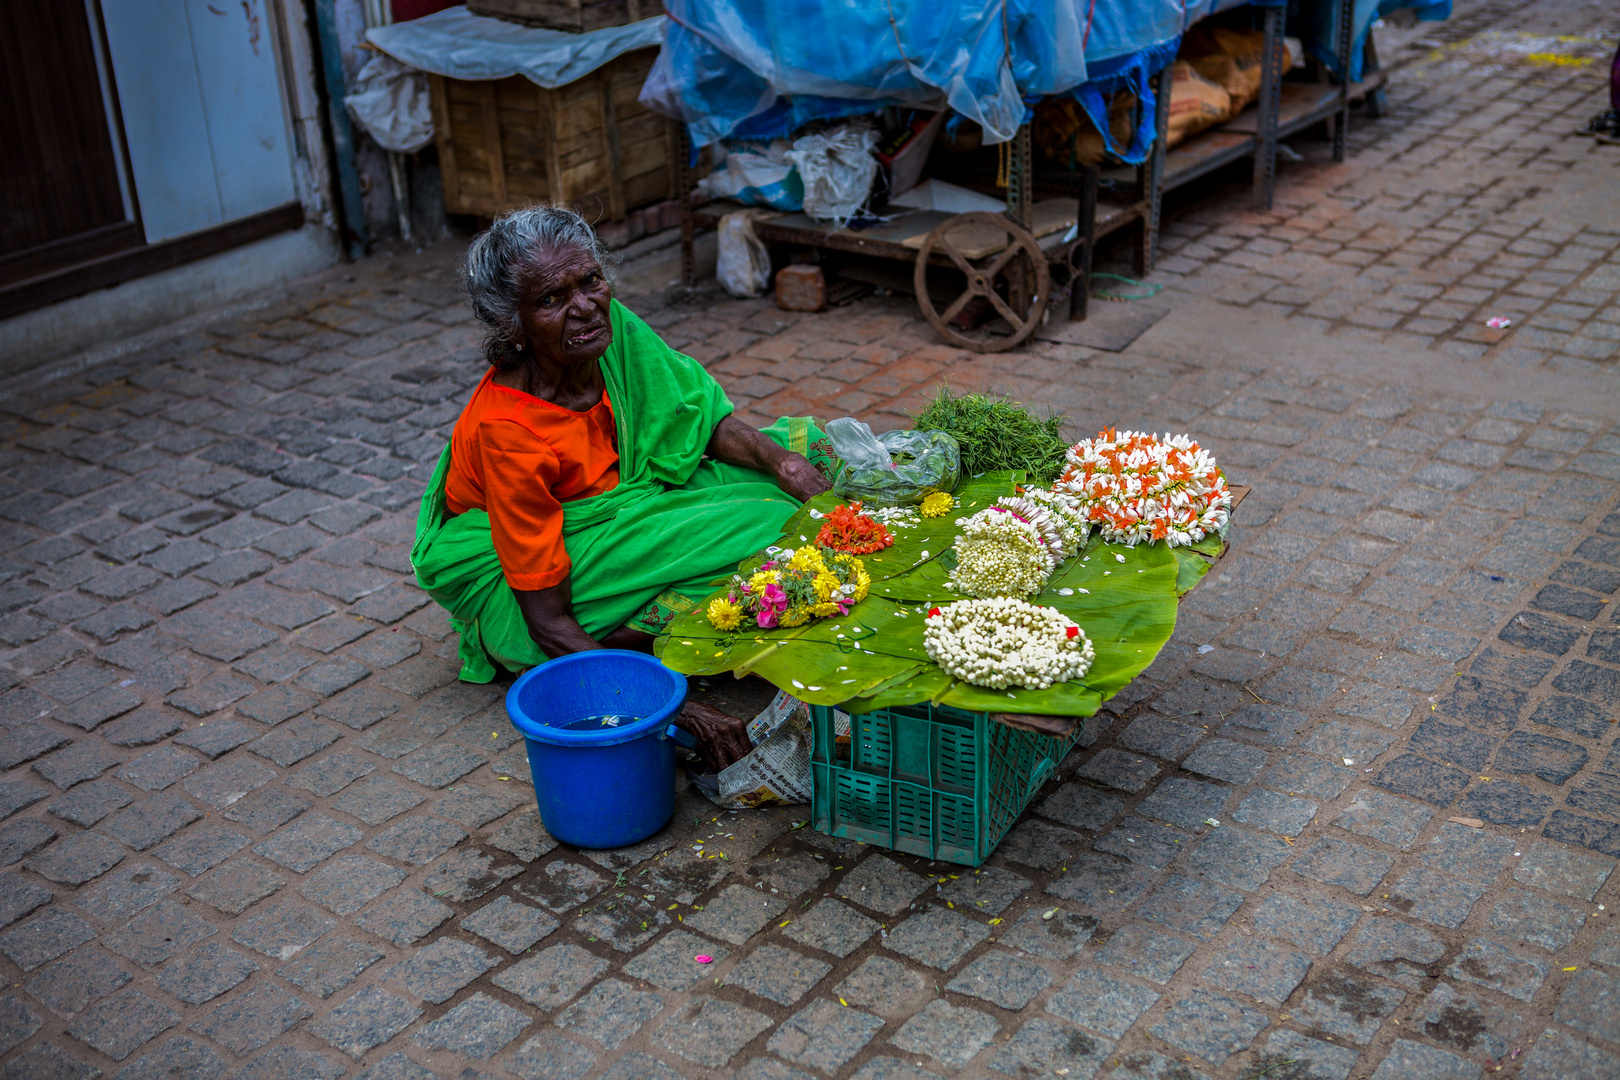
650 547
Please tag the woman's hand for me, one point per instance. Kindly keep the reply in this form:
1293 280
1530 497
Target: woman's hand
800 479
722 739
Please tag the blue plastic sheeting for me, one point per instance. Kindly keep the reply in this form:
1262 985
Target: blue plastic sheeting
1317 24
459 45
726 61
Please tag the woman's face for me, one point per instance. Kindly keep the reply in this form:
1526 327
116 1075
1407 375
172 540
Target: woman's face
564 309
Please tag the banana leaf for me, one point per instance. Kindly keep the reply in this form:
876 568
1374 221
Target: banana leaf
1123 597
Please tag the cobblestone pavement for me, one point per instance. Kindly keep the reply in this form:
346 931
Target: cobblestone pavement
254 827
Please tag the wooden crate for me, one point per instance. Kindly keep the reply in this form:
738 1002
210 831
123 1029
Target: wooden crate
507 143
574 16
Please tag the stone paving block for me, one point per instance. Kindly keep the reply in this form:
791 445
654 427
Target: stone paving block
1223 759
1588 832
152 820
778 974
1003 979
198 850
612 1012
1212 1026
329 965
468 874
1407 1058
122 894
882 884
377 800
555 975
886 986
345 885
1334 862
1081 806
121 1024
1257 969
17 1023
1384 817
292 742
1293 1055
1395 950
290 1063
47 1061
820 1036
265 811
404 917
1098 883
282 931
1054 933
82 761
513 926
45 937
1559 870
308 842
157 769
1468 1022
561 885
1145 952
549 1056
1490 964
236 886
435 972
1119 770
1315 923
1473 854
951 1035
1034 843
1184 802
987 889
832 928
71 984
1434 897
479 1027
1042 1048
368 1019
737 914
1536 920
180 1057
72 860
28 742
90 803
936 936
22 838
144 726
205 973
1096 1000
1276 813
440 765
1559 1056
476 807
1190 905
792 876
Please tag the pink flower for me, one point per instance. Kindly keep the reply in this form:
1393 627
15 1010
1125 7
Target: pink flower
766 618
774 598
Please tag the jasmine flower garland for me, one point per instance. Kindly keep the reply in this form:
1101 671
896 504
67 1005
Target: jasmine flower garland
1003 642
1000 554
1137 488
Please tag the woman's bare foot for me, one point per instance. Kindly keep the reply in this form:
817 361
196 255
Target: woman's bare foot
722 739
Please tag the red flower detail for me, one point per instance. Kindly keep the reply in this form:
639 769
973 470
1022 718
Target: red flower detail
1072 631
933 611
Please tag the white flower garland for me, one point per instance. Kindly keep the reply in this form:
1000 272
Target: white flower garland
1002 642
1000 554
1137 488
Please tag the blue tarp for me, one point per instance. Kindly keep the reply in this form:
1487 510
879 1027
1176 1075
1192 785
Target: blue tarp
726 61
1317 24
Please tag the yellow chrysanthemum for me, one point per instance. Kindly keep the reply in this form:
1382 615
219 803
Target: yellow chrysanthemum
825 585
863 583
936 505
795 616
724 615
808 558
844 558
822 611
763 578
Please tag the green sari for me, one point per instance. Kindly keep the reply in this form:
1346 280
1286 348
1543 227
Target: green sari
643 552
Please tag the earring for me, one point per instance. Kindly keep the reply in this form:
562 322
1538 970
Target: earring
518 346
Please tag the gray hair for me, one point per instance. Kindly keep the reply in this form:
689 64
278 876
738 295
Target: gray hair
504 257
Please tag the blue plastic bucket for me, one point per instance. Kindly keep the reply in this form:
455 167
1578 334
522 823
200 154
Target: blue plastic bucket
605 787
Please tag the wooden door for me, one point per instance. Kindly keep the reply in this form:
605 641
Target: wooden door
62 199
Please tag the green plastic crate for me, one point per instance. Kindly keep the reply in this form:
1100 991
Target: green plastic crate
927 779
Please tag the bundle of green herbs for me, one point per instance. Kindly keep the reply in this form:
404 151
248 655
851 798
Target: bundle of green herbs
997 433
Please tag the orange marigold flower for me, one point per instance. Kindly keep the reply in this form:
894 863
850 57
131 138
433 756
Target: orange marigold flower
847 529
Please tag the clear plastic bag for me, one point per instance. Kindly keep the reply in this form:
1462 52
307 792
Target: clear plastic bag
897 468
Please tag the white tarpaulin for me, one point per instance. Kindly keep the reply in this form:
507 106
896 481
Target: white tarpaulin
391 103
460 45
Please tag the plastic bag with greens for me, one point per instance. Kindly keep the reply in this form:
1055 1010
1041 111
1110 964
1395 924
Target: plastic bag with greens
897 468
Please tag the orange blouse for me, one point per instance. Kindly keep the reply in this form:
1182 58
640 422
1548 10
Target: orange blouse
519 458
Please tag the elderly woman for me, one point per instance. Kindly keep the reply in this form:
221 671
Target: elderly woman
596 484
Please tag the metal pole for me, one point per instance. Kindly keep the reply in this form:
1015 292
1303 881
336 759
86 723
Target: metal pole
1347 10
1150 176
1080 278
1020 186
1265 132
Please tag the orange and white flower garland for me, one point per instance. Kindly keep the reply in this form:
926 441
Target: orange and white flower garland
1137 488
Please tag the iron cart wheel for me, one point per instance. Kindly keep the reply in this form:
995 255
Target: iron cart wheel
1015 281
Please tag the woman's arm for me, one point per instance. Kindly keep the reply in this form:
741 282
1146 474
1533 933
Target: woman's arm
549 614
735 443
